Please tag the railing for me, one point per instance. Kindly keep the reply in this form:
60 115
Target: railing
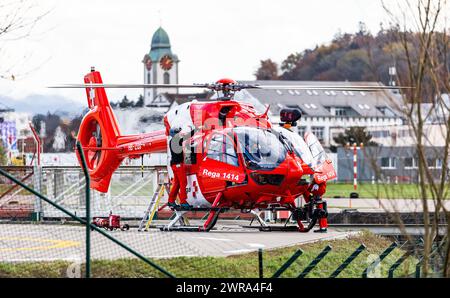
65 193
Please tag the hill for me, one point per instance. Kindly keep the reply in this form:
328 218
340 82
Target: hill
360 56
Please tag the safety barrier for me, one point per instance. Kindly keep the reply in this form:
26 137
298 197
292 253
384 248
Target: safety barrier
316 261
380 258
347 262
288 263
166 254
86 222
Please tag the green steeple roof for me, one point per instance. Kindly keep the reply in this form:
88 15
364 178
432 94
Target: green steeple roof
160 39
161 46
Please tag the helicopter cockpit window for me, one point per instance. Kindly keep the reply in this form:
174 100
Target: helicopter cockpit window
301 149
261 149
221 149
318 153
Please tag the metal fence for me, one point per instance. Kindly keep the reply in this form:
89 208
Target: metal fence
46 230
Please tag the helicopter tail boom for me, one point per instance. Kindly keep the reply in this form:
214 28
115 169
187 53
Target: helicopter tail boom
103 145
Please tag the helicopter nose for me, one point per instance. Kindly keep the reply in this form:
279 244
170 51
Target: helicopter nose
294 173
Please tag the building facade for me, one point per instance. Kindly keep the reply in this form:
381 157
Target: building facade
327 113
388 164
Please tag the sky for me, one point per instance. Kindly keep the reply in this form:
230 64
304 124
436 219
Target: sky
213 39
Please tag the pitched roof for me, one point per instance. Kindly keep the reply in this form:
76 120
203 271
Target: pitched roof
318 102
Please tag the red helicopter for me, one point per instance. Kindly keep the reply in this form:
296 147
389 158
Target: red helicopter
234 157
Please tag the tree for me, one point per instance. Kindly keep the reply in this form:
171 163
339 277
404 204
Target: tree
125 103
354 66
140 102
356 135
291 62
268 70
420 30
360 56
18 20
2 155
52 121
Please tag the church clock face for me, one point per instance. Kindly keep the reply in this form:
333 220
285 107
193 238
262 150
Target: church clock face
166 62
148 64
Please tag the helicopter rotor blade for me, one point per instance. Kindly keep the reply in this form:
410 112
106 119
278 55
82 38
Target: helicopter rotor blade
129 86
331 88
238 87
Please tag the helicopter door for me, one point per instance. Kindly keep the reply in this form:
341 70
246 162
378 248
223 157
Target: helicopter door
323 167
221 161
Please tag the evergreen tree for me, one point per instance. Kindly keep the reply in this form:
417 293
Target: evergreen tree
140 102
356 135
126 103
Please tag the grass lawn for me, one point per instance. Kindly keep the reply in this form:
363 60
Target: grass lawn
383 191
244 265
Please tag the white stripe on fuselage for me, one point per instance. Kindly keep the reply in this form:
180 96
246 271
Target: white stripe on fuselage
180 117
198 200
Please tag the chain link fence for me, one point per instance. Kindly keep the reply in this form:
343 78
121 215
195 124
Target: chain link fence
44 233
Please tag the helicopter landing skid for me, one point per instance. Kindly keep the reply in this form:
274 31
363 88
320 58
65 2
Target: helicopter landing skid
272 228
207 226
214 212
300 227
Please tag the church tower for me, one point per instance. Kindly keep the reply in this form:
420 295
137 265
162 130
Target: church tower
160 67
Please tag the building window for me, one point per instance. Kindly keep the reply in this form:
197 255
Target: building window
344 112
434 163
404 133
166 78
388 163
301 130
386 111
410 163
340 111
148 78
380 133
318 132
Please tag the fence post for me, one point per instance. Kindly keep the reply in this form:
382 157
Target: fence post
288 263
418 266
398 263
347 262
83 222
37 179
37 170
260 263
381 257
316 261
88 209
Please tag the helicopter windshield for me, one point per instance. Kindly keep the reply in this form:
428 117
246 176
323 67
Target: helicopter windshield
299 145
261 149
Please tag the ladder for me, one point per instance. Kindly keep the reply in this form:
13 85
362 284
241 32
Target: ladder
152 208
154 204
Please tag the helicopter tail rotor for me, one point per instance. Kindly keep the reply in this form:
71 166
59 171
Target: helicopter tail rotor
98 135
